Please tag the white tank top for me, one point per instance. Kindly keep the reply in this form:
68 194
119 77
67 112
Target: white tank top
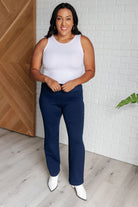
63 61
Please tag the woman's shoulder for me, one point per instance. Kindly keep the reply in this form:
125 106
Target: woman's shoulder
86 42
42 43
85 39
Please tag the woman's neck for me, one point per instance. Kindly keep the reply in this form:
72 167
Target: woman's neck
64 38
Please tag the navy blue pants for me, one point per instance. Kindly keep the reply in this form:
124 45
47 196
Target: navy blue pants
71 105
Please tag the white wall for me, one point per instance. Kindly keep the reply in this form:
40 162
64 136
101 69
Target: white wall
112 26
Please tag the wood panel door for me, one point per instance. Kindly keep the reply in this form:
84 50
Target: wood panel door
17 90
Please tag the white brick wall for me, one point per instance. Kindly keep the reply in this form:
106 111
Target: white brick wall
112 26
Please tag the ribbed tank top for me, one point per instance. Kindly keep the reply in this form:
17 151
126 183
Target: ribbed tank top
63 61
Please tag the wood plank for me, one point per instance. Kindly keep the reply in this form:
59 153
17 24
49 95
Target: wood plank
24 175
17 89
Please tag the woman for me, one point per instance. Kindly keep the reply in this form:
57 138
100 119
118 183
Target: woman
64 54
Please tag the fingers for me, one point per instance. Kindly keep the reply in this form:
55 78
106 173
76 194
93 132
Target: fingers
67 87
53 84
64 89
56 87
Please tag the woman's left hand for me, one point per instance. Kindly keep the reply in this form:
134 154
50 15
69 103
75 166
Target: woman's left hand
68 86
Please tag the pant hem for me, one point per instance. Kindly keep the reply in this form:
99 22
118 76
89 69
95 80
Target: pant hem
73 183
54 174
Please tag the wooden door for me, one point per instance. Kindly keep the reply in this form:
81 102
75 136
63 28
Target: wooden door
17 90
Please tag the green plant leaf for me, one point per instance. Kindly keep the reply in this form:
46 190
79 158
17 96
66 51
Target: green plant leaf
133 98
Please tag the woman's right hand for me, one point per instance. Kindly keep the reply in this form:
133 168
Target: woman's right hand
53 84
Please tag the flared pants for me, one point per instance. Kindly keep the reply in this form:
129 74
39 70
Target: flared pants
71 106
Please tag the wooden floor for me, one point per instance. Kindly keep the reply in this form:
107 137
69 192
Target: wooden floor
23 177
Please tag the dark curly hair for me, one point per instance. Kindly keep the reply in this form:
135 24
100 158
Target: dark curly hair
52 28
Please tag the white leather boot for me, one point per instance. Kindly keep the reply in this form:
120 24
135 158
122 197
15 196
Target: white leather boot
80 191
53 182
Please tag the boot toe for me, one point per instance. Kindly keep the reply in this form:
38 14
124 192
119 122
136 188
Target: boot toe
53 182
80 191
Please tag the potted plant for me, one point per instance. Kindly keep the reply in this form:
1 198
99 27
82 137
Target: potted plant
133 98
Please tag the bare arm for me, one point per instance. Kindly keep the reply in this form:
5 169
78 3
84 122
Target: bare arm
36 66
37 61
89 63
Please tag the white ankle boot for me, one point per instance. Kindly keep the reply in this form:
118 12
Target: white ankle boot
80 191
53 182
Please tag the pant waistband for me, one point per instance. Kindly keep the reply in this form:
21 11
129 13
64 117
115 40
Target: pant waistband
78 87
